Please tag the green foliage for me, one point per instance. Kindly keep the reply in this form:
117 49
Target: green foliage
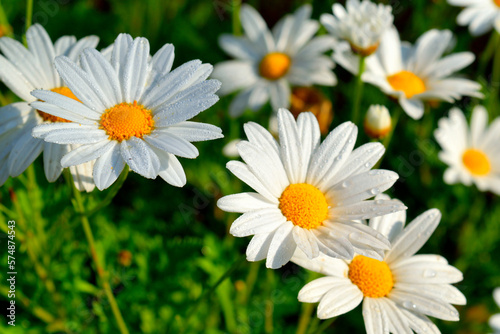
179 239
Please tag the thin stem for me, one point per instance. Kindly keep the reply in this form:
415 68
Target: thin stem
307 309
488 51
325 325
387 140
236 17
103 275
495 79
111 193
29 14
210 291
359 90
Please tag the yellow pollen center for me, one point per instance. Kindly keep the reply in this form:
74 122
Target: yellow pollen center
54 119
497 2
407 82
476 162
126 120
304 205
274 65
373 277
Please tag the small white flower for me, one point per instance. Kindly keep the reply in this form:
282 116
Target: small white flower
268 63
472 155
134 111
479 15
361 24
378 122
308 195
397 293
23 70
495 318
414 74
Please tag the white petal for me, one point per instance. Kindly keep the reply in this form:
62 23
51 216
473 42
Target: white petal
135 69
108 167
244 202
257 222
194 131
314 291
24 152
361 160
322 264
340 299
365 210
52 155
290 145
259 246
242 171
423 304
419 270
163 59
306 241
282 247
375 323
414 236
140 157
86 153
39 43
183 110
172 144
310 137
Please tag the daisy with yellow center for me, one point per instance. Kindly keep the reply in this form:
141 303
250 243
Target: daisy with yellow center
308 195
418 74
268 62
399 291
470 153
133 111
23 70
479 15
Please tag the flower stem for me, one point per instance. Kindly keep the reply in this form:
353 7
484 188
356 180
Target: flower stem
210 291
495 79
325 325
488 51
236 17
307 309
103 275
358 93
387 140
111 193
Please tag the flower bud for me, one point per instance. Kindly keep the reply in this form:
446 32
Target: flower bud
310 99
377 122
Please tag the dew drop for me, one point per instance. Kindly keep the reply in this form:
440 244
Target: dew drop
429 273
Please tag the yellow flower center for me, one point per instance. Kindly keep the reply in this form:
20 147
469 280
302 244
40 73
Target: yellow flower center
373 277
126 120
274 65
476 162
54 119
304 205
407 82
497 2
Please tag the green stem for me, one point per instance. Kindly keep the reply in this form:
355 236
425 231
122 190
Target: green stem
359 90
29 14
236 17
488 52
387 140
325 325
111 193
495 79
307 309
210 291
101 272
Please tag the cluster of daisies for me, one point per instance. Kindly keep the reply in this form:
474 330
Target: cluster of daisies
317 204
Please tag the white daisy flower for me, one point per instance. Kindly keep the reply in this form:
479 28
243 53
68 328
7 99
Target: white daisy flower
23 70
134 111
480 15
495 318
269 62
414 74
472 156
397 293
308 195
361 23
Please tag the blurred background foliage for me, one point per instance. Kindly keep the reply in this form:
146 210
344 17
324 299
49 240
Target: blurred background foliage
165 247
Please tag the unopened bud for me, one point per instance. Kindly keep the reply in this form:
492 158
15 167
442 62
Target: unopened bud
378 122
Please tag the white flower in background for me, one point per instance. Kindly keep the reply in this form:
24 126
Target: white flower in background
308 195
480 15
230 150
495 318
267 63
361 23
134 111
23 70
378 122
414 74
472 155
397 293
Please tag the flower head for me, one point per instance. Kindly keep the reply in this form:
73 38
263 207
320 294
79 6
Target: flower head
267 63
480 15
133 111
413 74
378 122
308 195
397 292
361 23
23 70
471 154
